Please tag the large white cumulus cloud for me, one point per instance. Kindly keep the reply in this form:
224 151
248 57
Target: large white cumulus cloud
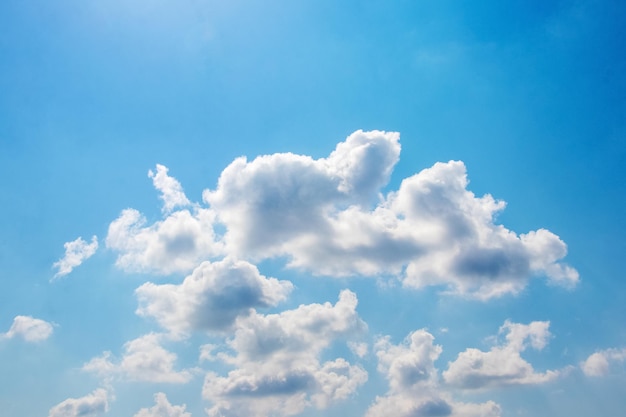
277 362
327 216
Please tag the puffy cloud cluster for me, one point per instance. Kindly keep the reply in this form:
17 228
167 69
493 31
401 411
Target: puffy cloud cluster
502 365
90 405
277 365
414 388
328 216
28 328
319 213
144 359
76 252
163 408
601 362
211 298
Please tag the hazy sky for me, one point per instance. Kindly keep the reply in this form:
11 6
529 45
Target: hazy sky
313 208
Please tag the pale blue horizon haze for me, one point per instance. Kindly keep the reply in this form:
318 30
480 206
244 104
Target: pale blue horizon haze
312 208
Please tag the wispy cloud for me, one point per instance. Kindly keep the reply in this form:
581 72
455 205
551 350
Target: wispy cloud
76 252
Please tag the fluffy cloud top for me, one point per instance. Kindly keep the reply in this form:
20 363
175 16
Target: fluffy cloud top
76 252
601 362
278 369
144 359
30 329
90 405
163 408
414 389
502 365
211 298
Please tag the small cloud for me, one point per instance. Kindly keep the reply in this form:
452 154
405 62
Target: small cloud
30 329
76 252
90 405
502 365
171 191
144 359
601 362
163 408
359 349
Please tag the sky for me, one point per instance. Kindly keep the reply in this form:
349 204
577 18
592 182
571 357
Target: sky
312 208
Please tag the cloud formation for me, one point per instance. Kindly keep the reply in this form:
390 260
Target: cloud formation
602 362
163 408
211 298
30 329
76 252
414 388
277 365
502 365
90 405
144 359
328 216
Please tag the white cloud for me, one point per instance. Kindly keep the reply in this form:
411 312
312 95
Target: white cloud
76 252
90 405
414 389
328 216
601 362
171 191
431 231
502 365
428 405
163 408
211 298
175 244
144 359
409 364
30 329
278 369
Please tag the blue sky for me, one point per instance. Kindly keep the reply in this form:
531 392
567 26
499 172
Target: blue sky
428 219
